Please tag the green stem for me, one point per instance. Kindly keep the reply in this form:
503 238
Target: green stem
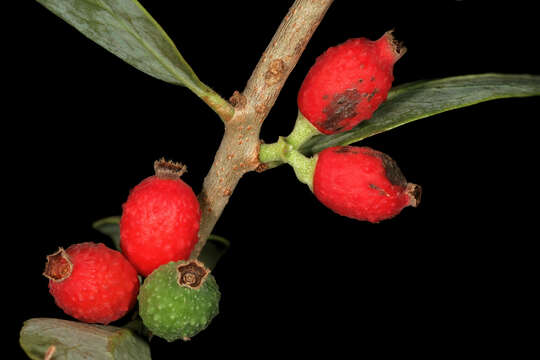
302 132
304 167
283 152
272 153
238 150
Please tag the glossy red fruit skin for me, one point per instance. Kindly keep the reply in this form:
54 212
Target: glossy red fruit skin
348 82
102 286
360 183
160 223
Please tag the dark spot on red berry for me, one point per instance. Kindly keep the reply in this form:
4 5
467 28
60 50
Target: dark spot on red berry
346 150
325 97
392 171
370 96
372 78
342 107
342 150
379 190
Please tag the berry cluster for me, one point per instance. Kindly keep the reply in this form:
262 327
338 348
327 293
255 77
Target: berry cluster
160 220
342 89
158 230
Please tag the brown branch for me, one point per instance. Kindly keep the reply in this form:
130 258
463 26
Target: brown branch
239 148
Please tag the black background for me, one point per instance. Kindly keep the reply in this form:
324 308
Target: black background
444 278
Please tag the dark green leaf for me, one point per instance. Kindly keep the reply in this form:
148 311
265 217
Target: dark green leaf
214 249
421 99
75 340
110 226
127 30
136 325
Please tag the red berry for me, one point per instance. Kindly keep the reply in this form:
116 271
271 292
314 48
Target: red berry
91 282
348 83
160 219
362 183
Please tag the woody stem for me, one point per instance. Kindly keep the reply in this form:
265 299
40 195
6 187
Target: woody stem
238 152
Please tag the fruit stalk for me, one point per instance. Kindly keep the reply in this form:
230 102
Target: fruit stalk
303 131
303 166
238 152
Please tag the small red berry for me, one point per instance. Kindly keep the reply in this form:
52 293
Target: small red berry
91 282
348 82
160 219
362 183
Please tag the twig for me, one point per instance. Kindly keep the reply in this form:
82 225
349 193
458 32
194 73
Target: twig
239 148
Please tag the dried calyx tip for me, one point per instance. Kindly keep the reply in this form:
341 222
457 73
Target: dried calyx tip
169 169
192 274
58 266
415 194
397 46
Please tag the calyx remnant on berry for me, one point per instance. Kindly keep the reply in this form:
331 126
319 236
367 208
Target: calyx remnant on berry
415 194
169 169
92 283
192 274
59 266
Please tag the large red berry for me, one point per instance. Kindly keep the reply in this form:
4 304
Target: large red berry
160 219
91 282
348 83
362 183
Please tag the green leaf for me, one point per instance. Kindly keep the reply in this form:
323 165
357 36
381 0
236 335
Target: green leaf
127 30
214 249
422 99
110 226
75 340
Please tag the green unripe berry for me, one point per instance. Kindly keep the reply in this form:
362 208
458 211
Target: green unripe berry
178 300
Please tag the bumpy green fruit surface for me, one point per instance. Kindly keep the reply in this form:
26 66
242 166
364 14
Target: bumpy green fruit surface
178 300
